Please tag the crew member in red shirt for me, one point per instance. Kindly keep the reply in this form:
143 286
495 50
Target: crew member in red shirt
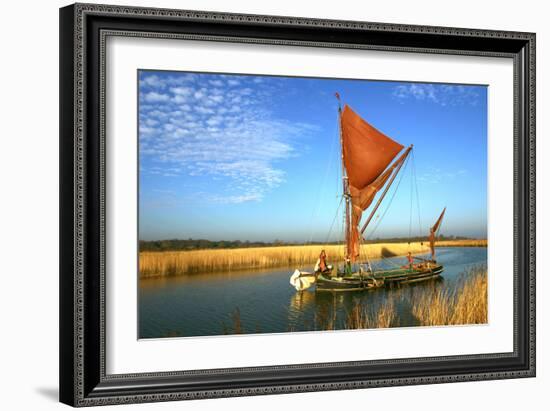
410 260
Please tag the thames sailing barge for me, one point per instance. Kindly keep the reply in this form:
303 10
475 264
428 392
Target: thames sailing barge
369 165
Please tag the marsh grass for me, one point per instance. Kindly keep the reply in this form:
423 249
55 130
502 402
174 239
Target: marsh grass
172 263
360 317
462 243
431 305
466 304
236 326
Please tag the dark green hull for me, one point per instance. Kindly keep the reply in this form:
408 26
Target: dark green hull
357 282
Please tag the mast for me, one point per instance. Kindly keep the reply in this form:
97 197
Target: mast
367 155
345 184
397 165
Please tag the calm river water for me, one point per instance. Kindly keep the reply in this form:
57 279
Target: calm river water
263 301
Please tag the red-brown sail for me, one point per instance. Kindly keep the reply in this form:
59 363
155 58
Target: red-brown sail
366 153
433 233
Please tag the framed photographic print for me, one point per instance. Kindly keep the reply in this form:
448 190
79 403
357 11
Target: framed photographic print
260 204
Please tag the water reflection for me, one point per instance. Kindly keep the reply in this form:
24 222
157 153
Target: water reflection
204 304
311 311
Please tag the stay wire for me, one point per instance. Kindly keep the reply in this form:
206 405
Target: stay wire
389 204
413 166
411 207
321 190
334 220
386 210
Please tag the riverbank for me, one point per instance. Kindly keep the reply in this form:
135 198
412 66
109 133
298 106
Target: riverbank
172 263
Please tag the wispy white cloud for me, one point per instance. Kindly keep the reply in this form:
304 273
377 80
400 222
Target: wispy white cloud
236 199
435 175
219 128
442 94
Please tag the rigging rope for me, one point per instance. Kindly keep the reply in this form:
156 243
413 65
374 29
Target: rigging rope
411 208
413 166
321 189
384 213
391 200
333 220
414 184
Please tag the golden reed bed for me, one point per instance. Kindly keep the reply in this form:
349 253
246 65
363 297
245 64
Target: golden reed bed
462 243
467 304
172 263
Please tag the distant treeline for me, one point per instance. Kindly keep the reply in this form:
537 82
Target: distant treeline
192 244
415 239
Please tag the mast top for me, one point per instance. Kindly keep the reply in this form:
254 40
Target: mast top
337 95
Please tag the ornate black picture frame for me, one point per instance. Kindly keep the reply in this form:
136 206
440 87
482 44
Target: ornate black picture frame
83 30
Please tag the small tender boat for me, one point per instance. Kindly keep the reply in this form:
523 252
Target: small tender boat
369 165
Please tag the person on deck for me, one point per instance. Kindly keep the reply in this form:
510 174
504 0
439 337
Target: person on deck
323 261
347 267
321 265
369 267
410 260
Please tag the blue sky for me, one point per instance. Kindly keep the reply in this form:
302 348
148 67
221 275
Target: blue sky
239 157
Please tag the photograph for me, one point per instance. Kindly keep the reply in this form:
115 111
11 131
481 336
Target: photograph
256 201
279 204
